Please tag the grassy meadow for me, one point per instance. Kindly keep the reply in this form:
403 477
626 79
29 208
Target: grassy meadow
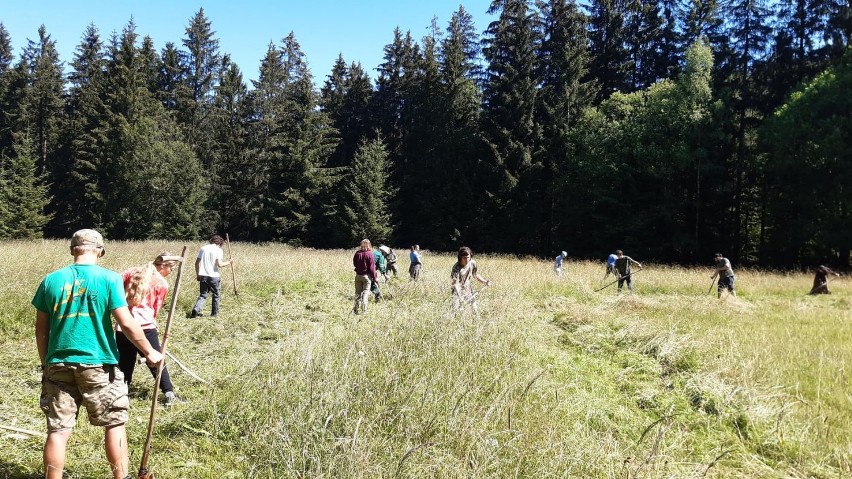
551 379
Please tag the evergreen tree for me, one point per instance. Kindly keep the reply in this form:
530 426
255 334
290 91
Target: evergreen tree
395 75
202 64
228 119
81 191
297 182
611 63
345 98
151 65
509 127
8 96
749 32
172 89
41 110
423 119
702 19
23 193
6 54
563 62
454 187
155 185
369 194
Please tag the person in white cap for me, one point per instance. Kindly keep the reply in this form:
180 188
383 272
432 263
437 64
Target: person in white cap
557 265
79 356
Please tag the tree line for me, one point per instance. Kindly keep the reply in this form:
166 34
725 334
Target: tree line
671 129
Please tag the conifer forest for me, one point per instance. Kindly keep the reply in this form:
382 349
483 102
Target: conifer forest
671 129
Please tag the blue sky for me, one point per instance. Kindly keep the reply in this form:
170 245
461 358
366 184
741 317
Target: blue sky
324 28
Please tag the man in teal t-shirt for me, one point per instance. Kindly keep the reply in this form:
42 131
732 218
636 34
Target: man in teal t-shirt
79 357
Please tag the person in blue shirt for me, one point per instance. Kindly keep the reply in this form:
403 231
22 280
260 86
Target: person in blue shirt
610 265
416 262
557 265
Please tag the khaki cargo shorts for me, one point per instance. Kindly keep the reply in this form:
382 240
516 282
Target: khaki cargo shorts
66 387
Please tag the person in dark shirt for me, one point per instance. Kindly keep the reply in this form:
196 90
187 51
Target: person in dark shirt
365 273
622 267
821 280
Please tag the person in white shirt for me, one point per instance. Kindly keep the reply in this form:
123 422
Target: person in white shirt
210 259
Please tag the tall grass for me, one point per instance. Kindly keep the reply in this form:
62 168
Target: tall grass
551 379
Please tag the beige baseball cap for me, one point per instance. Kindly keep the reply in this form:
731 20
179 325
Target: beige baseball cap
88 237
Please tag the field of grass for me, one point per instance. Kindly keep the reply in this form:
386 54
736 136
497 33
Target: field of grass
551 379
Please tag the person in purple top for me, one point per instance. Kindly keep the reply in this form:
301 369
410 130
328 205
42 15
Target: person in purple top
365 273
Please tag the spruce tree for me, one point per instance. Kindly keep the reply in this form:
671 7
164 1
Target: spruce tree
229 116
563 62
84 138
368 194
23 193
297 182
750 33
8 93
611 63
155 186
6 54
454 186
509 128
42 106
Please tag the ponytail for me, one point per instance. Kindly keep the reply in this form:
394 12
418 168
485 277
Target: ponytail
140 283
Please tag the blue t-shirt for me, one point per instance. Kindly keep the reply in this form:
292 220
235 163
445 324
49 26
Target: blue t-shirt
79 300
559 261
414 257
611 259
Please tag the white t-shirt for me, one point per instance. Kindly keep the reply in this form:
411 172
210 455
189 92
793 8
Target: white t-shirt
208 255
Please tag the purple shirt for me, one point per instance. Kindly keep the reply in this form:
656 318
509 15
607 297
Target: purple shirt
365 263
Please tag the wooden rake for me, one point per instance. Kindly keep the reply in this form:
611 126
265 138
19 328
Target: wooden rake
144 473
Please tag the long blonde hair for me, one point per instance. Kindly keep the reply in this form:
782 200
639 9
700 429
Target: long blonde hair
142 277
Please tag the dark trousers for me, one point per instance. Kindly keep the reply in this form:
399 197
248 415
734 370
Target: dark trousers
208 285
127 358
627 278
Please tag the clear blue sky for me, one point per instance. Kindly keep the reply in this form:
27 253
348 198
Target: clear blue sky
324 28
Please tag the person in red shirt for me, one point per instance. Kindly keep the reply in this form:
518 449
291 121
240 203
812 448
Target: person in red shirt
365 274
146 288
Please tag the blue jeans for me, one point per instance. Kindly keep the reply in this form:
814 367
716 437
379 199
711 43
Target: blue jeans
207 285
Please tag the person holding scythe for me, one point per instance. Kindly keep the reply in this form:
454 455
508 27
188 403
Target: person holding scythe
381 268
416 262
210 258
622 267
821 280
462 272
726 275
558 262
146 289
79 356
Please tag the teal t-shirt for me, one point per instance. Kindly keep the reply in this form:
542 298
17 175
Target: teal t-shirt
79 300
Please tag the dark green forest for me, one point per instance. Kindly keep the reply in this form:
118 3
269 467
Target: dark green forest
671 129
